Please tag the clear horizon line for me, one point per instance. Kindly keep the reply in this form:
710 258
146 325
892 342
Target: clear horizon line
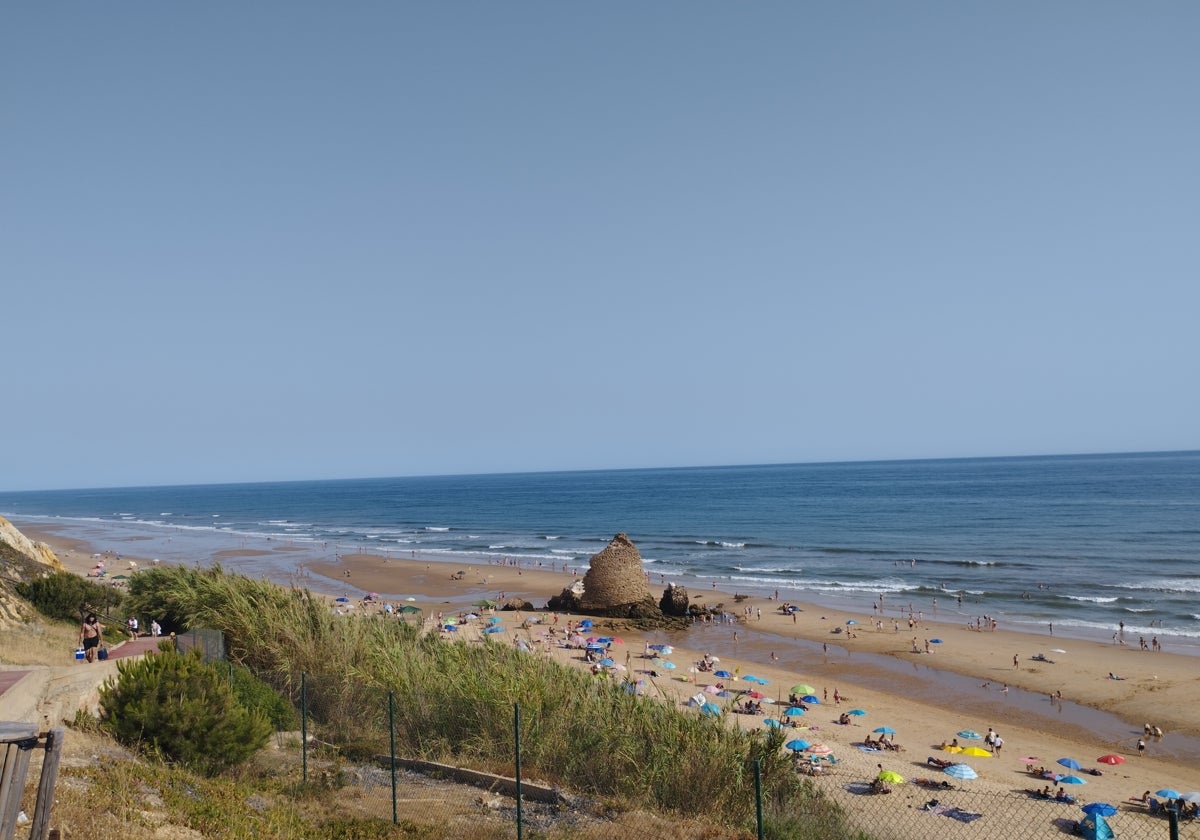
834 462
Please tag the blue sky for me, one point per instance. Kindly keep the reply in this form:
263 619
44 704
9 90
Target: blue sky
296 240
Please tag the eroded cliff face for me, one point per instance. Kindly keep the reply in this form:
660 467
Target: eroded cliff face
21 559
36 551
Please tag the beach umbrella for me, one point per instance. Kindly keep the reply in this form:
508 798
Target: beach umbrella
484 602
1069 762
1114 760
725 675
1029 759
670 666
451 628
712 689
977 752
792 711
935 641
1057 650
750 678
756 695
953 749
495 628
1167 793
1190 796
891 777
818 749
885 730
1102 809
409 608
970 735
851 622
771 723
961 771
1072 780
343 600
856 712
802 688
798 744
494 620
710 709
606 662
811 698
604 640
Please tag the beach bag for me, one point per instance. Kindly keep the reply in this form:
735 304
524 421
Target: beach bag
102 654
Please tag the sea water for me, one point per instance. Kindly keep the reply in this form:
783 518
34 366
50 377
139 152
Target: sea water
1088 543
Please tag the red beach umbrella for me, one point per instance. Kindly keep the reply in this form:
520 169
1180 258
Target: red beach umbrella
1111 759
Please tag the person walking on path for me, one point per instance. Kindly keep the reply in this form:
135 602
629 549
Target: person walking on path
89 637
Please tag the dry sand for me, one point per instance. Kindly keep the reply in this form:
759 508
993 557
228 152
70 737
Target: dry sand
926 697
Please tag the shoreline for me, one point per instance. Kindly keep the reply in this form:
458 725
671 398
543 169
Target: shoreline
926 697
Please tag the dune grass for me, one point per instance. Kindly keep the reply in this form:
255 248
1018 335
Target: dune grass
455 701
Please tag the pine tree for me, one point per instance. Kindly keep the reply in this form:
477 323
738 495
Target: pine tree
180 709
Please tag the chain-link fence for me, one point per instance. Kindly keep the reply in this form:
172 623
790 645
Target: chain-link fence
916 808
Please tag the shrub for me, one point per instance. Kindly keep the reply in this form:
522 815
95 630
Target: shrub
253 693
176 707
67 596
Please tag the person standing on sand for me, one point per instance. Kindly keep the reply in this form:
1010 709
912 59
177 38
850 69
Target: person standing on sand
89 637
1016 663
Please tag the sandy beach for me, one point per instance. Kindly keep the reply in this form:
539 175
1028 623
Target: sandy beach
972 679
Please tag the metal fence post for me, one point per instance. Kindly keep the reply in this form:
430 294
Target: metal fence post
304 725
392 747
1173 822
517 752
758 795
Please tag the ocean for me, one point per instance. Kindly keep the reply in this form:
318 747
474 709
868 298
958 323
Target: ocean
1086 542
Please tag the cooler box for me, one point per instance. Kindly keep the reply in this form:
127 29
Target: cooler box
79 653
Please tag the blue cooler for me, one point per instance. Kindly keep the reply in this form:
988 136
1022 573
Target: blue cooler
78 654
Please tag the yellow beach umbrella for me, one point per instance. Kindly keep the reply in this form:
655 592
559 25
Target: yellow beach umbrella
953 749
978 752
891 777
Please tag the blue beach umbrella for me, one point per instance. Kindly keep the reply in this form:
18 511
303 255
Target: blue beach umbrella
935 641
792 711
851 622
750 678
725 675
495 628
811 698
670 666
970 735
798 744
451 628
1167 793
1069 762
856 712
961 771
606 662
885 730
343 600
1102 809
710 709
494 620
771 723
1072 780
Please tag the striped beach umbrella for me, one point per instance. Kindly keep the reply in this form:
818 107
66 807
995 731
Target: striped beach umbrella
961 771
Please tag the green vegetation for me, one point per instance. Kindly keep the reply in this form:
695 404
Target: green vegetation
176 707
69 597
455 702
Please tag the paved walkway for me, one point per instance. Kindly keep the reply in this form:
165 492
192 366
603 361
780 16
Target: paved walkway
124 650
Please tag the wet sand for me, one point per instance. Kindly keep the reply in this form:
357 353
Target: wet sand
927 697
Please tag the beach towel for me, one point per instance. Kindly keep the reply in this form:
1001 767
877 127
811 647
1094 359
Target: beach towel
961 815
